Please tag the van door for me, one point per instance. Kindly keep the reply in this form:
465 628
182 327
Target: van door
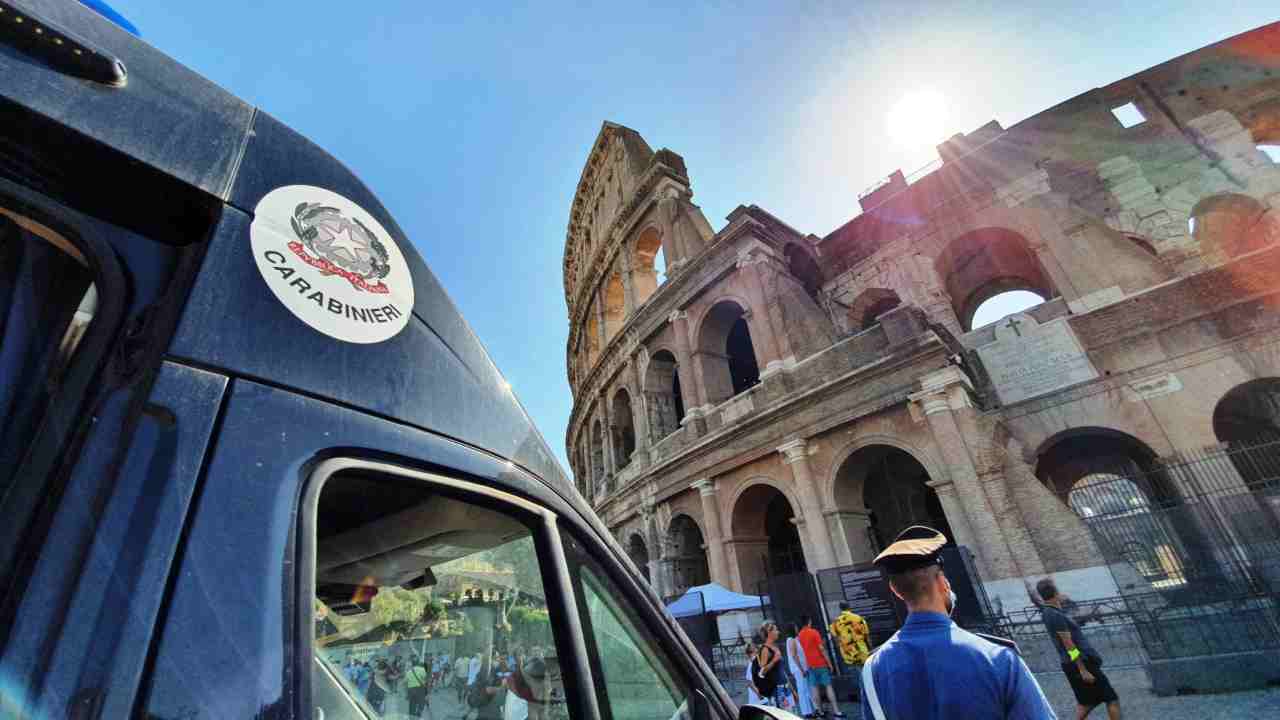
99 440
340 565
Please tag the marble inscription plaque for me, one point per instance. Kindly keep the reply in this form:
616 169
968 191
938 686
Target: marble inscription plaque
1028 360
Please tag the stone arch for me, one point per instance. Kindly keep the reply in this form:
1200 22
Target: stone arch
765 539
1118 486
644 272
624 429
687 555
804 268
870 305
1228 224
638 551
1247 420
726 353
1249 413
879 490
922 456
615 305
986 262
663 395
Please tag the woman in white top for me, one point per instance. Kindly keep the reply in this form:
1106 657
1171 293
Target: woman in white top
753 697
795 661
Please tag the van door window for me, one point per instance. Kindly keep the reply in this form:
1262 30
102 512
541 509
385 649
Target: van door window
47 299
428 605
635 678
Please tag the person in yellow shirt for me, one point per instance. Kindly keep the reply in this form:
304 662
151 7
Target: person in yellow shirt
854 639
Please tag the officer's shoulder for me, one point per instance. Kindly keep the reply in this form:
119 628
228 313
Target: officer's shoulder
1000 641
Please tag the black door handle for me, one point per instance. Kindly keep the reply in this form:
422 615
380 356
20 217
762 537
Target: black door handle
59 49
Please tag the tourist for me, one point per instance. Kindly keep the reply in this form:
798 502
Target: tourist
931 668
853 637
753 667
1080 662
771 679
819 675
460 667
795 662
416 683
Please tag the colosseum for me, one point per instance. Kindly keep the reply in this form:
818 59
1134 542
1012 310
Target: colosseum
766 401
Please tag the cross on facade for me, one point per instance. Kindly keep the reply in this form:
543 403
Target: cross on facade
1013 325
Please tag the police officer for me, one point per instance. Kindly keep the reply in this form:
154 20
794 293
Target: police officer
931 668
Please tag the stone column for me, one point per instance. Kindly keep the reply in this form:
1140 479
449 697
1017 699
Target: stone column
601 336
769 350
717 562
849 534
654 544
628 283
639 414
943 391
692 393
606 421
795 455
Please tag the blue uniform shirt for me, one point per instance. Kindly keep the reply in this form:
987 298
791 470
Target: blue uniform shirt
933 669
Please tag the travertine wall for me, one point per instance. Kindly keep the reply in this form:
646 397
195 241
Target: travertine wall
1156 245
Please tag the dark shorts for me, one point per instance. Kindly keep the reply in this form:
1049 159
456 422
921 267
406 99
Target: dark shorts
1090 694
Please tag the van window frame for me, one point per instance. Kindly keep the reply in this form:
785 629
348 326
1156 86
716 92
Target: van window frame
579 684
64 422
646 617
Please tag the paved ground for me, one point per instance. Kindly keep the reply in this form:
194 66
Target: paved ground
1138 703
1136 700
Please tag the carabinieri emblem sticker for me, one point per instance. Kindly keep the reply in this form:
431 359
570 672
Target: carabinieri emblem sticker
331 264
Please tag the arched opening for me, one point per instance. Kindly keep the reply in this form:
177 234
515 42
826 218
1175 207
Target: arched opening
645 273
662 395
804 268
1002 305
688 558
597 456
765 537
615 307
744 371
1118 508
726 354
1271 151
1247 421
1228 224
1117 485
869 306
982 264
624 431
891 487
639 554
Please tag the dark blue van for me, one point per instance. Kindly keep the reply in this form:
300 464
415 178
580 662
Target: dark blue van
253 463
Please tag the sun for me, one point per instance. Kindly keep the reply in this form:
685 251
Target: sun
918 119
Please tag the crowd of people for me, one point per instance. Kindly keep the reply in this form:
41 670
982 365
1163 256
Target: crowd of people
796 674
930 668
484 684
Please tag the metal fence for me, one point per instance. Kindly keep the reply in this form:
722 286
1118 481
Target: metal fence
1202 526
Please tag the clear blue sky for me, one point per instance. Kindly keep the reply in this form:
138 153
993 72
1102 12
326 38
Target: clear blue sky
472 123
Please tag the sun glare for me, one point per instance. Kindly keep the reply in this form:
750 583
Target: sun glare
918 119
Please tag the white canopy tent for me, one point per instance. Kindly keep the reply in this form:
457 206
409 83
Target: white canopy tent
714 599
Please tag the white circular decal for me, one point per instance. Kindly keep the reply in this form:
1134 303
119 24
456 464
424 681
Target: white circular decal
331 263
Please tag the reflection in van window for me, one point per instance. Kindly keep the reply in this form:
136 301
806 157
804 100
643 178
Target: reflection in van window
640 683
46 301
430 607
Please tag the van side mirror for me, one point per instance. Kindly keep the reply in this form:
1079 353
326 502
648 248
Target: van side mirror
764 712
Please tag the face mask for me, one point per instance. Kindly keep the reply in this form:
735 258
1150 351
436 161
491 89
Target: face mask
951 601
